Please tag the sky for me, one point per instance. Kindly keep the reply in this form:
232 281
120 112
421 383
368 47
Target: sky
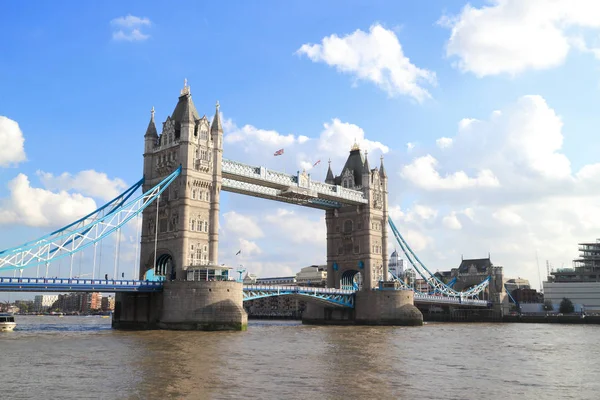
484 111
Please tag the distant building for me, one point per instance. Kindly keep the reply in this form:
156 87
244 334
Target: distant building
93 302
280 280
108 303
42 302
516 283
314 275
580 284
249 279
396 266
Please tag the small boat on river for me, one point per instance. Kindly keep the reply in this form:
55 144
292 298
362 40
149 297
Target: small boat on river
7 323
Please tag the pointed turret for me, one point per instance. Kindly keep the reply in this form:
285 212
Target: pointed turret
330 178
381 169
366 169
216 126
151 130
185 110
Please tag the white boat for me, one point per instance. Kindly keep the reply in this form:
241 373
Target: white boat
7 323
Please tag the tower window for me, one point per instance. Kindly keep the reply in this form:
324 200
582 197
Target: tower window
347 226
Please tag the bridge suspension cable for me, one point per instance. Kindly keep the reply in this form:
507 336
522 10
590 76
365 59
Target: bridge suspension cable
84 232
431 279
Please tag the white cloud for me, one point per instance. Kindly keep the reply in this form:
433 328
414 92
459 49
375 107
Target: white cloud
338 137
511 36
242 225
376 56
42 208
507 217
256 146
88 182
298 228
251 137
422 173
444 142
249 248
410 146
130 28
130 21
12 149
542 204
451 221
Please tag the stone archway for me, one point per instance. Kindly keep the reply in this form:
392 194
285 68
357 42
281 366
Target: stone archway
165 266
351 280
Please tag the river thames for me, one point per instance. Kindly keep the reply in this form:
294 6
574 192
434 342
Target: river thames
83 358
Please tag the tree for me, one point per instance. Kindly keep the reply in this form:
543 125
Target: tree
548 306
566 306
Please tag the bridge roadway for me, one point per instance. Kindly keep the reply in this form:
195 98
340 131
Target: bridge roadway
339 297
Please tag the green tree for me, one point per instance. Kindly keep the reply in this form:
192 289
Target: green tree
548 305
566 306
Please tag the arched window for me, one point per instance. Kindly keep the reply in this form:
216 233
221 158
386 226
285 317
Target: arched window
348 226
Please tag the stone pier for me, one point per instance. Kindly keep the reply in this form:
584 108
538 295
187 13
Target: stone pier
372 307
184 305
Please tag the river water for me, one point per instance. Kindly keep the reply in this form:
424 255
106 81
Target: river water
83 358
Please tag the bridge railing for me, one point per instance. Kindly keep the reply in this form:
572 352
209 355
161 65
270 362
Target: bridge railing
76 281
297 289
281 178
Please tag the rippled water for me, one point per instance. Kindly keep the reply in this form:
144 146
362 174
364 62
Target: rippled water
83 358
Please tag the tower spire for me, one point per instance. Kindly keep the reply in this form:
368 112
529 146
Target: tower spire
366 168
186 88
381 169
330 179
151 130
216 126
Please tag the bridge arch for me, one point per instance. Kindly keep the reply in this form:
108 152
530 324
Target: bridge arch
164 269
351 280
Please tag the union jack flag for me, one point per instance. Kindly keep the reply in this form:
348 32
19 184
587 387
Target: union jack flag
278 152
315 164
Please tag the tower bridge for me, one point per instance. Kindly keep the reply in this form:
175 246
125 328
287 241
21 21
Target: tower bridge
184 174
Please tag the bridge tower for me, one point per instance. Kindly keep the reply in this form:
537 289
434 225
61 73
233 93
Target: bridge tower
357 235
180 231
183 231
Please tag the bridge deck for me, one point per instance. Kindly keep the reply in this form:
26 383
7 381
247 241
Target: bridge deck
76 285
341 297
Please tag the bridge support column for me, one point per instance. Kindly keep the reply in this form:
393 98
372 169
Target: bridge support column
184 305
387 307
372 307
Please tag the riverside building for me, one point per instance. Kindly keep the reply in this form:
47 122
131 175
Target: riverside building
581 283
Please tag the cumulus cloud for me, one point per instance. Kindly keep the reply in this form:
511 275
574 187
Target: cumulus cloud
451 221
88 182
422 173
444 142
511 36
129 28
338 137
253 145
298 228
42 208
375 56
12 150
541 205
242 225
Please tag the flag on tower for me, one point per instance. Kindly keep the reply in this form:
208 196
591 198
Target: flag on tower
278 152
238 253
315 164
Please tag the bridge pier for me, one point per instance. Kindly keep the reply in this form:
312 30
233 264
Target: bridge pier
183 305
372 307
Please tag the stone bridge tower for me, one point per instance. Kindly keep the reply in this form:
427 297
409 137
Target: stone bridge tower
357 235
183 232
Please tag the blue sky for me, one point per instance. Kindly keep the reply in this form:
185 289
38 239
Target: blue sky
81 93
